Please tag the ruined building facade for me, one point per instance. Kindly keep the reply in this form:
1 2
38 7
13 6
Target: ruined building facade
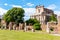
42 14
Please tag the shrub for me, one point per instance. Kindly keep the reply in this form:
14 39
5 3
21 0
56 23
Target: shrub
32 21
35 23
37 26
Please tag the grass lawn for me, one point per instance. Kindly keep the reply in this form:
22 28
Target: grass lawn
20 35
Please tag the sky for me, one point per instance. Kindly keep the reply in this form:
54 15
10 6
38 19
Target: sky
29 6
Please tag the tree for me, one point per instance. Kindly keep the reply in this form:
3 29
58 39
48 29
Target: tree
32 21
14 15
53 18
37 26
35 23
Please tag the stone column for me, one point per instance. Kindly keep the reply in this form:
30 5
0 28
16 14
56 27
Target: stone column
47 29
14 27
17 28
20 26
25 28
44 18
10 25
40 20
5 26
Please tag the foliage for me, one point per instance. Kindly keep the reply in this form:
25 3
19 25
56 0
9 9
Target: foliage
36 26
32 21
14 15
35 23
53 18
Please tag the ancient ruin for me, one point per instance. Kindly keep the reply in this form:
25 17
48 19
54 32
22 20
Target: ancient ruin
42 15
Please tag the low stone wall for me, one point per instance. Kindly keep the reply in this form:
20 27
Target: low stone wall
58 27
29 27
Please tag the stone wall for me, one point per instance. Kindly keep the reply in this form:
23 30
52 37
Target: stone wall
43 26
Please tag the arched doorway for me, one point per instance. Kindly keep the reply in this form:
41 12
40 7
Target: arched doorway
51 27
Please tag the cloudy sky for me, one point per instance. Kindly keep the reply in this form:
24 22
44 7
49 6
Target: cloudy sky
29 5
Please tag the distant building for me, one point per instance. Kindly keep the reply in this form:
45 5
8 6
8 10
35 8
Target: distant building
42 14
0 17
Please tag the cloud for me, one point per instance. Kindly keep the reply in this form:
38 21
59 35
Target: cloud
13 5
30 4
2 11
52 6
16 6
5 4
57 12
28 12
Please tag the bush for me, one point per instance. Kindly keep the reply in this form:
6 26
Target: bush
32 21
36 26
35 23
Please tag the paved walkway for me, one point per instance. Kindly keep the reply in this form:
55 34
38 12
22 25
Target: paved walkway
56 34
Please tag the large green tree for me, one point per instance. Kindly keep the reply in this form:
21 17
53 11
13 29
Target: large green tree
14 15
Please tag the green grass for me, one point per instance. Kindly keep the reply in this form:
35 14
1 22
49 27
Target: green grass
20 35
